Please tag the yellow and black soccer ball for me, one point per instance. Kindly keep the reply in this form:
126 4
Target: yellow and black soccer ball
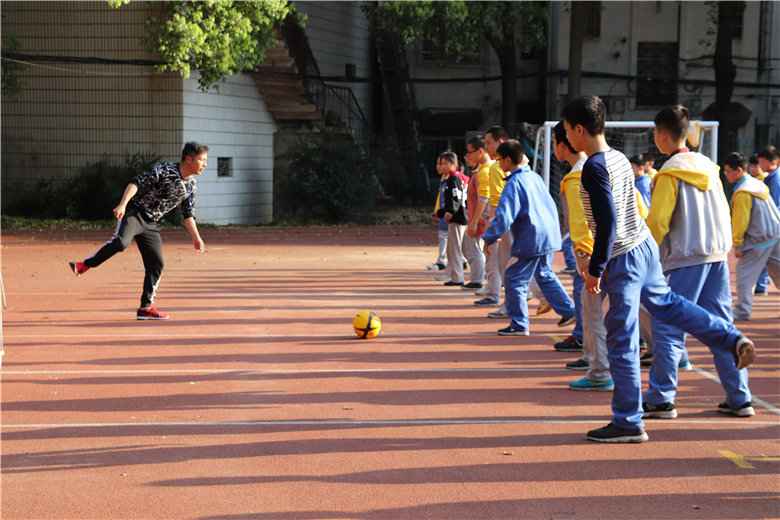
367 324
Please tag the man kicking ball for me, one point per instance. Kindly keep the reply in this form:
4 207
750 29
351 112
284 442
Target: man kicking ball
146 200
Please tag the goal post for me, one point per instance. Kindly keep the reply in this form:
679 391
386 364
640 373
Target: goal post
629 137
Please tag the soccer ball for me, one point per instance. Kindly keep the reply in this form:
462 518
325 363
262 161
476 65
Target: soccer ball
366 324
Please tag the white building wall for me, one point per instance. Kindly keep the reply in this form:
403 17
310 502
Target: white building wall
233 123
67 115
625 24
338 34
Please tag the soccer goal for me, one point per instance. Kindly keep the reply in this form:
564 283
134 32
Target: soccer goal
629 137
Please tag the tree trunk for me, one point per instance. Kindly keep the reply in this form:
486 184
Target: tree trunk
391 55
725 74
507 58
579 11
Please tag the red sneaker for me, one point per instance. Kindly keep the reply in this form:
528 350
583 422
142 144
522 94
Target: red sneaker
78 268
151 313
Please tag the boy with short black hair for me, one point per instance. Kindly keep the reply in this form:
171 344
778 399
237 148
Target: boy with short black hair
625 251
500 252
642 181
527 208
768 162
477 195
756 232
688 195
146 200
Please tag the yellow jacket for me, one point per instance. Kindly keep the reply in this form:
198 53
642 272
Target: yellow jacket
689 170
689 214
742 207
496 183
483 179
579 232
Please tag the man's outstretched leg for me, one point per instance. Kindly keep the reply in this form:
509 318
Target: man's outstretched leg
126 230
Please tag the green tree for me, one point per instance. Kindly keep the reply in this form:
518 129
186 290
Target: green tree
458 26
217 38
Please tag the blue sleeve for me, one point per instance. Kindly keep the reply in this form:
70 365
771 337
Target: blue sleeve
643 185
506 213
774 187
595 181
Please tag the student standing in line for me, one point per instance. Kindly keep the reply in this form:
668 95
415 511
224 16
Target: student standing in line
625 264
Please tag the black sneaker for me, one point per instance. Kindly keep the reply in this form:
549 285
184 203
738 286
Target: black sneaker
760 293
450 283
570 344
440 266
646 360
746 410
486 302
612 433
567 320
580 364
511 331
659 411
472 285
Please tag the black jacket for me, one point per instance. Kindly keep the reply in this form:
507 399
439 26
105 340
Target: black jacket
454 201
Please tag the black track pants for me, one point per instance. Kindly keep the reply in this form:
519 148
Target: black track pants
147 237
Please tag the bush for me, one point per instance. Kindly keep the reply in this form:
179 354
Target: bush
330 179
90 194
95 190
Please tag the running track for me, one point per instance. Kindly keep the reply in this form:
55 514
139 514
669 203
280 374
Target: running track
254 401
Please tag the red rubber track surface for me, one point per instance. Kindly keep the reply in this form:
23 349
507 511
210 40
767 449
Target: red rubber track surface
255 401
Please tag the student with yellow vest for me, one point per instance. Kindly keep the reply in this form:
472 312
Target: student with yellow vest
589 335
501 251
689 220
755 222
478 192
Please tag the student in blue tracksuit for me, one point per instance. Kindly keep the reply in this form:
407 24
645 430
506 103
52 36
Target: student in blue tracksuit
769 162
527 208
625 264
688 195
641 179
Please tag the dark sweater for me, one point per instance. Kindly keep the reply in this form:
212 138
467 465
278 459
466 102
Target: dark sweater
453 200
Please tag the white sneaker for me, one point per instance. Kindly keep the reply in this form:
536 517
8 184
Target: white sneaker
498 314
481 292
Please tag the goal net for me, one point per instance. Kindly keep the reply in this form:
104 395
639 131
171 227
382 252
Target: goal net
630 137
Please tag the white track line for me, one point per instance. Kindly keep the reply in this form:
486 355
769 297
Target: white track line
756 400
281 371
242 334
378 423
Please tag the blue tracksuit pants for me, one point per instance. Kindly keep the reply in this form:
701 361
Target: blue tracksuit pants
568 253
763 281
579 286
707 285
516 279
633 278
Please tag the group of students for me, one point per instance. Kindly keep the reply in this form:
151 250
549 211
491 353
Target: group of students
650 247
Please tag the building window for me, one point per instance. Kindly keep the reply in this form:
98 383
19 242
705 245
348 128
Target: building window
224 166
656 68
592 21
